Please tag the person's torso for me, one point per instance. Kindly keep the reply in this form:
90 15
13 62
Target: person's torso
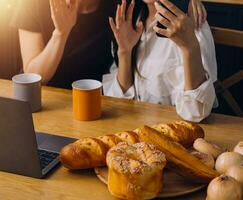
160 64
156 59
87 51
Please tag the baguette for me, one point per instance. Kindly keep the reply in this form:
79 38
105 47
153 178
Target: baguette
91 152
182 132
180 160
78 156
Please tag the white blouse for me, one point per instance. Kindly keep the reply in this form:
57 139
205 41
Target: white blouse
159 62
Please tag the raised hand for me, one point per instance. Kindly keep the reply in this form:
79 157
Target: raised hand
179 27
64 15
124 32
197 12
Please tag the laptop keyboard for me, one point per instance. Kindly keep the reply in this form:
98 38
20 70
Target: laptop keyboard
46 157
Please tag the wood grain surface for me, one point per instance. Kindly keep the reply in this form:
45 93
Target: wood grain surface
56 118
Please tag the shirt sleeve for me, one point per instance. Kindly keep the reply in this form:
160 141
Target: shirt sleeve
195 105
111 86
26 16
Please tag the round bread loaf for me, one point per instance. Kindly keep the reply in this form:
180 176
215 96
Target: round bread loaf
135 171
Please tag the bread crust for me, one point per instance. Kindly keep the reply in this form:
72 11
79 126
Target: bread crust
110 140
182 132
135 171
91 152
180 160
79 156
128 136
84 153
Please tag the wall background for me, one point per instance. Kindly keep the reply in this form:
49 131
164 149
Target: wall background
10 60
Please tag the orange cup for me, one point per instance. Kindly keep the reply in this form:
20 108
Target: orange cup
87 100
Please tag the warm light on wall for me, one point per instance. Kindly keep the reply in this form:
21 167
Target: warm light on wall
8 40
6 11
5 4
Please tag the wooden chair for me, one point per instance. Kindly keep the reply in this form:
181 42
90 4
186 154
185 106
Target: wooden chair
233 38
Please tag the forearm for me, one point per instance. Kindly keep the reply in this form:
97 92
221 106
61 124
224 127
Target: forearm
125 74
47 61
194 72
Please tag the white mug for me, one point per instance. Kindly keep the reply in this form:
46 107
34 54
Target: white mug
27 87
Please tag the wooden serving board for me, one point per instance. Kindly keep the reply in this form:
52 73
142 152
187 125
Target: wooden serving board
174 185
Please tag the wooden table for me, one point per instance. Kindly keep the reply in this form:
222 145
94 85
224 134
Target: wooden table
56 118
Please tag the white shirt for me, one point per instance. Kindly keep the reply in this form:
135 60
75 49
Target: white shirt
159 61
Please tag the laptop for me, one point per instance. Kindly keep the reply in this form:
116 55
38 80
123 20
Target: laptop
22 150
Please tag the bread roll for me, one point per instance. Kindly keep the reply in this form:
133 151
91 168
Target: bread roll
91 152
135 171
84 153
182 132
207 159
110 140
207 147
78 156
128 136
180 160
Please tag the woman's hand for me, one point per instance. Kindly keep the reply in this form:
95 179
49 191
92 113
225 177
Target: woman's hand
64 15
126 36
197 12
179 27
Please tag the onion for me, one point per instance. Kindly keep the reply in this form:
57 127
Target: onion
204 146
237 173
226 160
207 159
239 148
224 188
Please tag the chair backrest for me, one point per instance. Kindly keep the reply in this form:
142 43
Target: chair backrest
227 36
232 2
234 38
